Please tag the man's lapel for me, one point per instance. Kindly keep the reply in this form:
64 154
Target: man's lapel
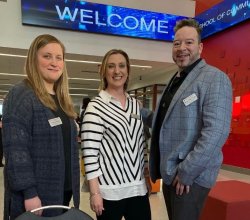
186 83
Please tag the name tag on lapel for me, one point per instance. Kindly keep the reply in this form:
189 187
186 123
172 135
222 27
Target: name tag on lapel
190 99
135 116
55 122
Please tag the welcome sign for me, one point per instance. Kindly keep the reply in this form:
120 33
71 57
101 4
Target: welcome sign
98 18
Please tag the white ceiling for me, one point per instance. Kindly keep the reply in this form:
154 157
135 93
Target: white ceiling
83 77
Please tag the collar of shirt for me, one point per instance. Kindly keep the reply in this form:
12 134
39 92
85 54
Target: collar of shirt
107 98
188 69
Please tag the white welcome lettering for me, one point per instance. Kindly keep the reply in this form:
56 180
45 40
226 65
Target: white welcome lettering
112 20
66 13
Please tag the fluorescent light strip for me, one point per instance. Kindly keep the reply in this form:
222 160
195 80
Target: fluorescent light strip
83 61
79 94
22 75
85 79
12 74
12 55
83 89
4 84
139 66
94 62
75 61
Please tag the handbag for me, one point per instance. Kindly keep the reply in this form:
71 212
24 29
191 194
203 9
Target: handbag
70 214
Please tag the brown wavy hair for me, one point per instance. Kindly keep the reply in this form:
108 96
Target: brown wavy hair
35 79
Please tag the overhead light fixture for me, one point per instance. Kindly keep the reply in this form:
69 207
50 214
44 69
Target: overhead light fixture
75 61
12 74
83 89
12 55
5 84
79 94
85 79
139 66
22 75
8 84
83 61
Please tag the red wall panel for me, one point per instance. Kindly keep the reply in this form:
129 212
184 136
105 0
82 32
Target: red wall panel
203 5
229 51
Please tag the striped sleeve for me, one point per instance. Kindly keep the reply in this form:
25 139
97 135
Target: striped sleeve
92 133
145 139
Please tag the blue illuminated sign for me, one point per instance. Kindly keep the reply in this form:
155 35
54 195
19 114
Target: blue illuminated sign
99 18
223 15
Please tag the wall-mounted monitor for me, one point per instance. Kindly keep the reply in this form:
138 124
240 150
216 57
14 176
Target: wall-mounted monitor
223 15
98 18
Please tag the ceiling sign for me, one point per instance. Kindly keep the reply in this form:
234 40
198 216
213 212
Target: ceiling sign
98 18
223 15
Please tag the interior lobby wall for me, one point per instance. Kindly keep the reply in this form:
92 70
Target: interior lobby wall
16 35
229 51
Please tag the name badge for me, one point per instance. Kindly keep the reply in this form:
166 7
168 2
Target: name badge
55 121
190 99
135 116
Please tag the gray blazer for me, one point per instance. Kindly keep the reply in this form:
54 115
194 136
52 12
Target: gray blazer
194 129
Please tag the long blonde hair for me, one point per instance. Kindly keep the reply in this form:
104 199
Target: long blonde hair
36 81
104 65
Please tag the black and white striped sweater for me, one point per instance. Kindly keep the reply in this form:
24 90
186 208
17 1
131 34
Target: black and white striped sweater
113 146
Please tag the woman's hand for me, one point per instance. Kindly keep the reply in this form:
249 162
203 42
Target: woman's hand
33 203
96 203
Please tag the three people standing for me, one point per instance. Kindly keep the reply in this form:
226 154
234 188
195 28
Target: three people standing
190 125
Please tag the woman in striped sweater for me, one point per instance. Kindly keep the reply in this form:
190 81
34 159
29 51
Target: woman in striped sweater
114 147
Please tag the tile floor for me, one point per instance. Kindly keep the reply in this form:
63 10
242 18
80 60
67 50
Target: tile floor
156 200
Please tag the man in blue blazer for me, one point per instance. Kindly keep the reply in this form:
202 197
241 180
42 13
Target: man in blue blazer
190 125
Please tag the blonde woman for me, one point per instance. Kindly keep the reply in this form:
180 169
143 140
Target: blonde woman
114 146
39 134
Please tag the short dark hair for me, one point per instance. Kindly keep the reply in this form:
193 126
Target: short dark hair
189 22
